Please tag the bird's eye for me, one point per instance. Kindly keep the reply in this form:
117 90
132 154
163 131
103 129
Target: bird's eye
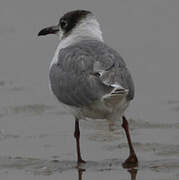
63 23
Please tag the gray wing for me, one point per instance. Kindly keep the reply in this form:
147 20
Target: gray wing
75 80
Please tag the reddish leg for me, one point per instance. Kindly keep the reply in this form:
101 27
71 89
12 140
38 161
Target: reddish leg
131 161
77 137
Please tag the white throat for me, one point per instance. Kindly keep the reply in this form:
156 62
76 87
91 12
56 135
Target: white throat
88 28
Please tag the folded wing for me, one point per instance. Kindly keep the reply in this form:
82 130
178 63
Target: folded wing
88 72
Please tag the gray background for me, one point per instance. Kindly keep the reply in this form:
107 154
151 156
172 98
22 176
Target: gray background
35 129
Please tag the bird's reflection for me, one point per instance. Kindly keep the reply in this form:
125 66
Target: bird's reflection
132 172
80 173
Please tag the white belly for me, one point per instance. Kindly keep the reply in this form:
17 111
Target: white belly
111 110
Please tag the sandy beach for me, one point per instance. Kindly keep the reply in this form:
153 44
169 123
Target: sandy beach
36 132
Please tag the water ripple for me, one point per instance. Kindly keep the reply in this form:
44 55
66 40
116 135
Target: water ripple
46 167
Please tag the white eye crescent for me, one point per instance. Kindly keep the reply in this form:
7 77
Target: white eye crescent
63 23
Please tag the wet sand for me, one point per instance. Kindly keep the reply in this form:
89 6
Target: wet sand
36 133
36 142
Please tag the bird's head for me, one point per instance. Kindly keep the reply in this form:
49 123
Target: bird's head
75 23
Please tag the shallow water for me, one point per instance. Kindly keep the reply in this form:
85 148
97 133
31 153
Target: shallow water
36 133
36 142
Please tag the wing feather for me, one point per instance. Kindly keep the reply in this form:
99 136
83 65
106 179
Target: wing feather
75 80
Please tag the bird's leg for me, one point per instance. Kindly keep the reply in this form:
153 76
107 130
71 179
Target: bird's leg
131 161
77 137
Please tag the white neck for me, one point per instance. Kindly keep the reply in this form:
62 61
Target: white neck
88 28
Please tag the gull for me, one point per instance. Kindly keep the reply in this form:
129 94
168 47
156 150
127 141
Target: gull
88 77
